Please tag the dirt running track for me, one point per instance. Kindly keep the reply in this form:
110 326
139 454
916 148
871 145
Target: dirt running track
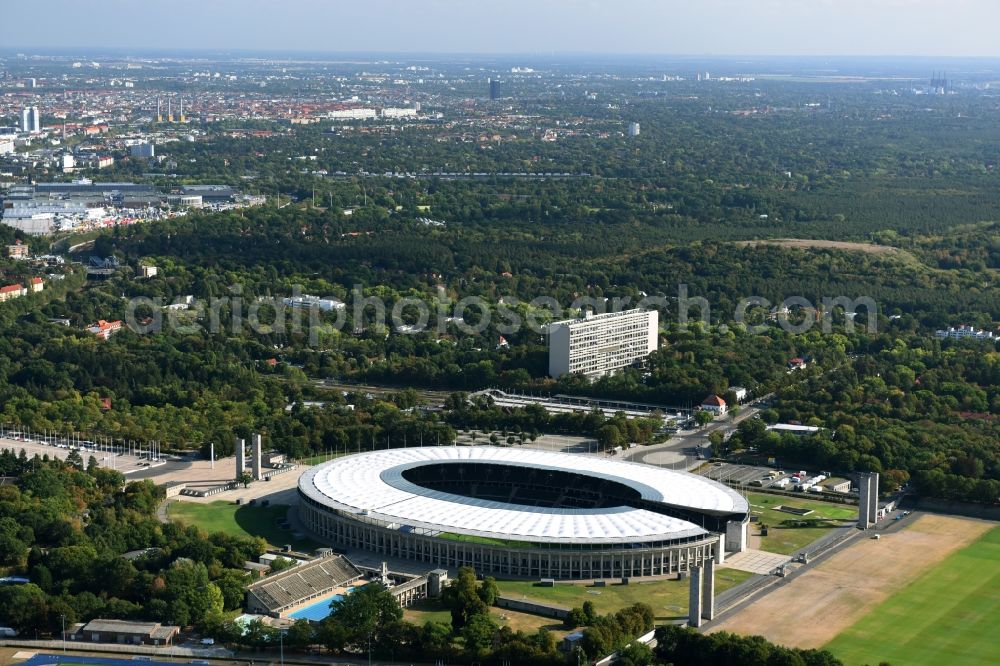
812 609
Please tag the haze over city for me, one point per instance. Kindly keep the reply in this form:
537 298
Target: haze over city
714 27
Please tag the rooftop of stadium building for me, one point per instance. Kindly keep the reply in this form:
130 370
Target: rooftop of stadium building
527 495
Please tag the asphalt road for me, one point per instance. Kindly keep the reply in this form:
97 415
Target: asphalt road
688 448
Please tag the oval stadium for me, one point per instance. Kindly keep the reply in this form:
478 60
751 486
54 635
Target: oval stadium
522 513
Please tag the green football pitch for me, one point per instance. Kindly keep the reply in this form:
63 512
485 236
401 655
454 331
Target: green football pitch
947 616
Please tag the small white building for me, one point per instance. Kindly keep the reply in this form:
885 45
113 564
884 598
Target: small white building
964 333
714 404
328 304
794 429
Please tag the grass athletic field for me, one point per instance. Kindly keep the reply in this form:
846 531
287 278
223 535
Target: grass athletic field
833 595
668 598
947 616
788 533
239 520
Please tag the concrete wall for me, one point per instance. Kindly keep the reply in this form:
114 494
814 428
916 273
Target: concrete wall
174 489
532 607
558 351
984 511
737 535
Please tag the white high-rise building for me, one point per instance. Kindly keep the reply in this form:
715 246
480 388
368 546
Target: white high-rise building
633 129
599 344
29 120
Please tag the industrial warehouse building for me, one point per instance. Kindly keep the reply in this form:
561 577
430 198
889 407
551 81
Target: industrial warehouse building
523 513
599 344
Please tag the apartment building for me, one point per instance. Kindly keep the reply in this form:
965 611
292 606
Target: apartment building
599 344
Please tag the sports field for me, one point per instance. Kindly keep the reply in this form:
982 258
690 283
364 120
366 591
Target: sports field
789 533
835 594
432 610
74 660
668 598
239 520
947 616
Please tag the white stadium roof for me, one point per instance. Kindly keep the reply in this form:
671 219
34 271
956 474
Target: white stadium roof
371 486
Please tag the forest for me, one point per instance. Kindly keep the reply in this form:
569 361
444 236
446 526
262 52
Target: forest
67 526
367 214
913 403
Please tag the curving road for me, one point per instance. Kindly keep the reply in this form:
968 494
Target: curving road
688 448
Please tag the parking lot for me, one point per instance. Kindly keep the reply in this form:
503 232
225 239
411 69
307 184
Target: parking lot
124 463
546 442
749 477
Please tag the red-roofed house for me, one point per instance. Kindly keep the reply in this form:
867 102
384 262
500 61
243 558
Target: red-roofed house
12 291
714 404
36 285
797 363
105 329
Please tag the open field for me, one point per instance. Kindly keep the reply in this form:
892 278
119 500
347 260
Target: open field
947 616
669 598
788 533
430 610
815 607
239 520
427 610
808 244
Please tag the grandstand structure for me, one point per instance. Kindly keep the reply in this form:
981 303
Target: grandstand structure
311 580
523 513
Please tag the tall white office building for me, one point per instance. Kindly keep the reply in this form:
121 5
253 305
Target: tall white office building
599 344
633 129
29 120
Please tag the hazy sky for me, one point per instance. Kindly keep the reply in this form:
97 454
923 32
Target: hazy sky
765 27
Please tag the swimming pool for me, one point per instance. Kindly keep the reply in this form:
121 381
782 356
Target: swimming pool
318 610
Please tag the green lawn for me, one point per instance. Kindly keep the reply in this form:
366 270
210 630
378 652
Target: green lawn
469 538
669 598
240 520
947 616
427 610
788 533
